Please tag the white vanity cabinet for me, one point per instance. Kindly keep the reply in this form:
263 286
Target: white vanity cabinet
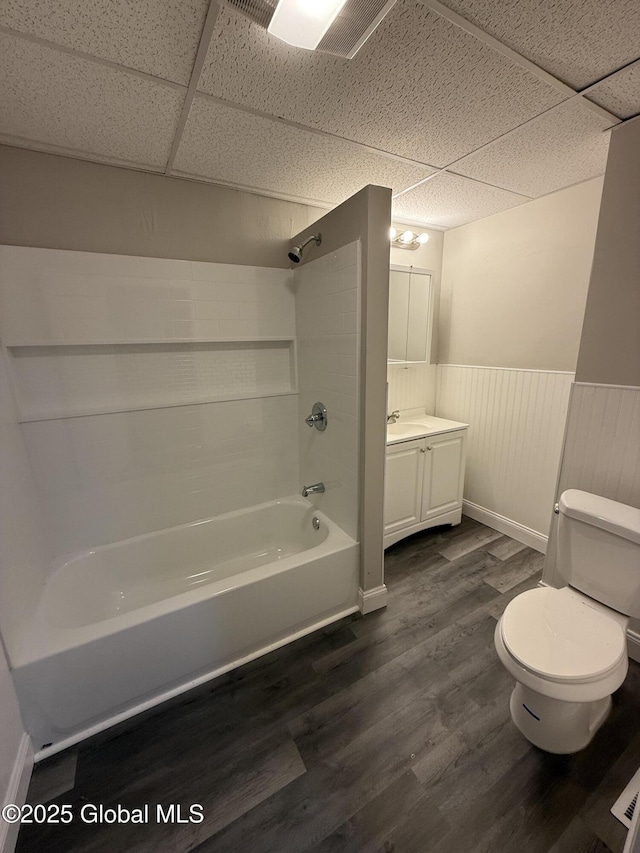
423 482
443 478
403 486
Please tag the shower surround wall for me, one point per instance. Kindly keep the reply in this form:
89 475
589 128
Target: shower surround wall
24 551
327 322
135 417
23 566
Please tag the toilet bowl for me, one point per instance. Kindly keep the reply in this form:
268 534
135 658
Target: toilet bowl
567 655
566 648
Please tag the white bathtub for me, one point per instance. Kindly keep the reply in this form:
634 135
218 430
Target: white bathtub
125 626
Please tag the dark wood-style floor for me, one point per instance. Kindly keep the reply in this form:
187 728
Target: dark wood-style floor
384 733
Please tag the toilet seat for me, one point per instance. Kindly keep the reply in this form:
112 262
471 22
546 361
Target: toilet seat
557 636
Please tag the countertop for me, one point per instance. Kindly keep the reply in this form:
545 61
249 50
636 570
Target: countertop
410 426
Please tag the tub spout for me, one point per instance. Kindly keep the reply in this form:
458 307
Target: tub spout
317 488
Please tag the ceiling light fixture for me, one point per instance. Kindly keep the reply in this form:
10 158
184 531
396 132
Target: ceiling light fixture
407 239
303 23
335 27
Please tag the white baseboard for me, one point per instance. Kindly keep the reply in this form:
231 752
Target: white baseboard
505 525
17 792
372 599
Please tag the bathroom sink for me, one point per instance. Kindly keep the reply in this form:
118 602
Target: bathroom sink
407 428
422 426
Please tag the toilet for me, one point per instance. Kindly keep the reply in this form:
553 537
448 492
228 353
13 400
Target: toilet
567 648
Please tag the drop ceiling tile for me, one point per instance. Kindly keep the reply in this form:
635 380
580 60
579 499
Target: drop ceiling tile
52 98
562 147
420 87
578 41
449 201
234 147
159 37
620 93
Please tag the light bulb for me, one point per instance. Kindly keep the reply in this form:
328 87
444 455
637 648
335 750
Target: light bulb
422 238
392 233
406 236
303 24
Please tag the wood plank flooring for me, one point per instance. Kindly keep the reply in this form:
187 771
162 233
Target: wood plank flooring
386 733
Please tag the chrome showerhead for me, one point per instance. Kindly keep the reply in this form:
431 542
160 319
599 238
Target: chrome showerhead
295 254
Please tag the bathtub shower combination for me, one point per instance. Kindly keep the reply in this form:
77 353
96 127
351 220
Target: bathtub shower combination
161 408
125 626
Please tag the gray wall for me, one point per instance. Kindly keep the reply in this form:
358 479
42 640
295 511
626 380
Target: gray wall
60 203
514 285
610 343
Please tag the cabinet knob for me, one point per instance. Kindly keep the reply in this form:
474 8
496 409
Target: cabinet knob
429 447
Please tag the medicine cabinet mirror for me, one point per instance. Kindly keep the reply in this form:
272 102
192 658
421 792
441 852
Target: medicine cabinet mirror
410 315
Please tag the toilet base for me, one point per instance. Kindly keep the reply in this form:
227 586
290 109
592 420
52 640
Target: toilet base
556 726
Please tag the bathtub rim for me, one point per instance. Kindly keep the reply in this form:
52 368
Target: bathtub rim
288 500
41 639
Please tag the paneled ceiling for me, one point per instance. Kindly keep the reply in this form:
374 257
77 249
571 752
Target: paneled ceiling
463 108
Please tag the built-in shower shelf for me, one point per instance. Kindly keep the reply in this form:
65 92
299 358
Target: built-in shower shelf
77 379
13 345
61 415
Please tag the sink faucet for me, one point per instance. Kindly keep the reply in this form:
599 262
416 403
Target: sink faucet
317 488
393 417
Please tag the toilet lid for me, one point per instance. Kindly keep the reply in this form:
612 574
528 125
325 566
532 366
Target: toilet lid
560 637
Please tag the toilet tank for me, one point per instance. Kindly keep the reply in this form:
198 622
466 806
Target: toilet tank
599 549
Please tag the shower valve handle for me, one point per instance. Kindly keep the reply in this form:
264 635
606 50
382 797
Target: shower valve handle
318 417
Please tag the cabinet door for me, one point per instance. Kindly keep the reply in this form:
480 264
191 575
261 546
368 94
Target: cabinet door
403 485
443 473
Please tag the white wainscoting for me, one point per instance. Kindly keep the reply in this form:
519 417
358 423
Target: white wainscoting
602 446
601 451
411 386
517 420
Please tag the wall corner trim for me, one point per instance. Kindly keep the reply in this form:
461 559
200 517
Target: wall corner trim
372 599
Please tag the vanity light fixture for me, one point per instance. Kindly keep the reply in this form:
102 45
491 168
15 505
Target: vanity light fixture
303 23
407 239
